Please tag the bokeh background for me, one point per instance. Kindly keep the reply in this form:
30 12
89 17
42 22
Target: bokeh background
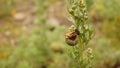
32 33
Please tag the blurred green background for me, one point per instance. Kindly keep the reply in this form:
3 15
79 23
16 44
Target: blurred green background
32 34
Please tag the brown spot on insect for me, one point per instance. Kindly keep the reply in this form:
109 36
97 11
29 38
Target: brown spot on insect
72 38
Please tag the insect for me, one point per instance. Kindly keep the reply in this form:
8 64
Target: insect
72 38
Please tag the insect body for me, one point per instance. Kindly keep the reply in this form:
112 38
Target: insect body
72 38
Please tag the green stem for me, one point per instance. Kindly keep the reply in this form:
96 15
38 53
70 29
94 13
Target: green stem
81 52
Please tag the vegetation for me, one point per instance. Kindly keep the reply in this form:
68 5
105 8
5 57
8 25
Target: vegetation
80 33
26 43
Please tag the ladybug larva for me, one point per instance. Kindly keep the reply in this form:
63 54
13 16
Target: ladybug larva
72 38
